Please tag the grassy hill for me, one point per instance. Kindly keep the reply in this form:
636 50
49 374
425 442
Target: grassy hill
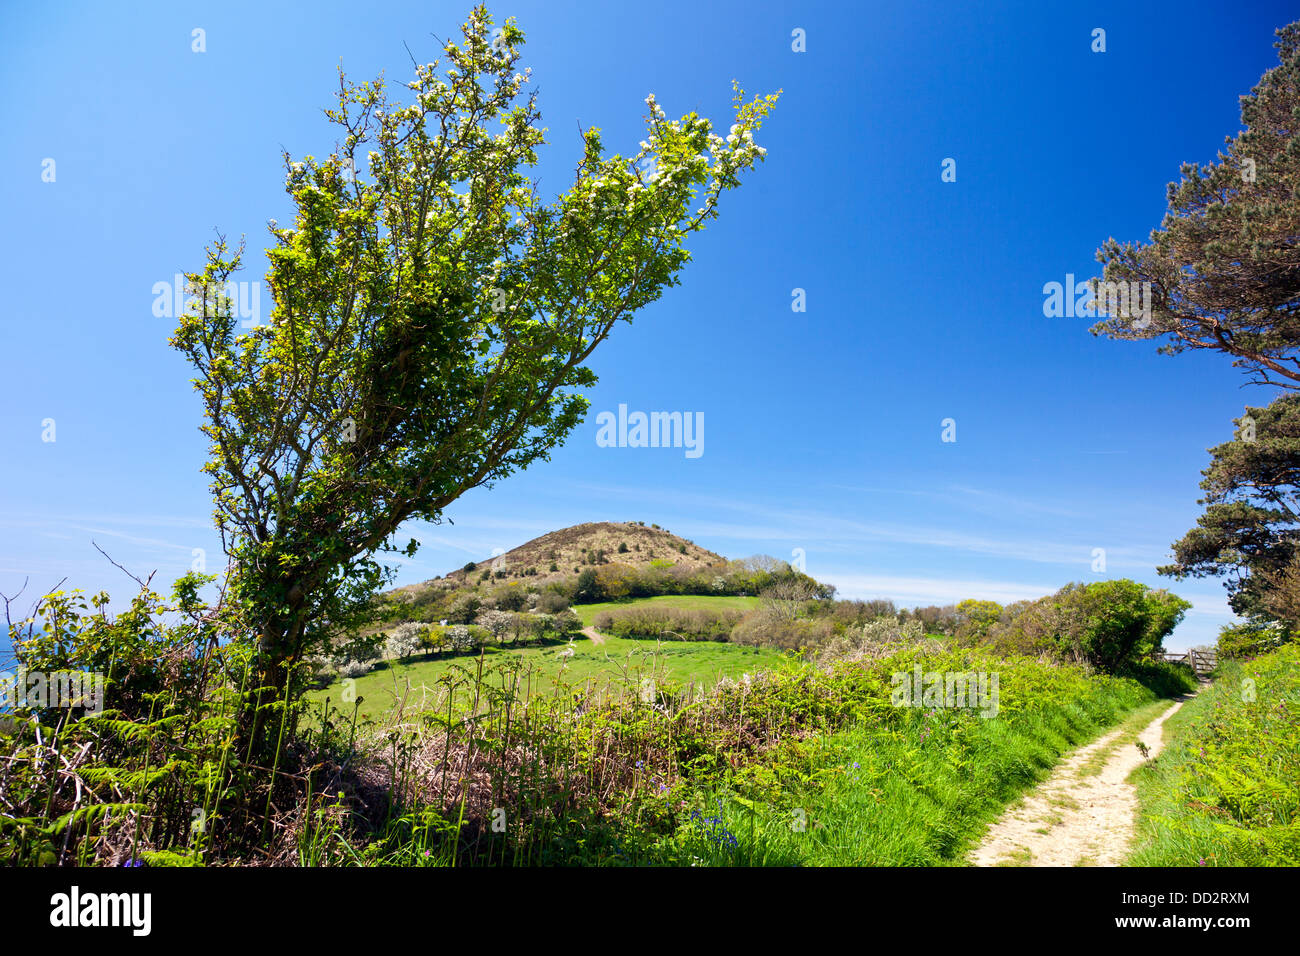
563 553
522 614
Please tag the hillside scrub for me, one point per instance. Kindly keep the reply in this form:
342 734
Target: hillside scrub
1115 626
592 543
1251 639
1109 624
669 623
458 602
1226 789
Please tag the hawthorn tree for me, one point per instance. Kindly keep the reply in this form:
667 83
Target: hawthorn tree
431 320
1224 267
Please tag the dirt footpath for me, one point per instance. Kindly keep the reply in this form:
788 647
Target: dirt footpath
1077 817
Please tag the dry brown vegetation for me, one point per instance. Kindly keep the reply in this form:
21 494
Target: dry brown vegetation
575 547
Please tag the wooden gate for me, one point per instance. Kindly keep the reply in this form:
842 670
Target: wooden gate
1202 662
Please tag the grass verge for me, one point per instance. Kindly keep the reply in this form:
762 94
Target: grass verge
1226 789
916 790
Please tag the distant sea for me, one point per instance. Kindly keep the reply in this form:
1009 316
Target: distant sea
7 660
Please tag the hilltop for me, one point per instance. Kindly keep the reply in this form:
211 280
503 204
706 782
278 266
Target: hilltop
568 551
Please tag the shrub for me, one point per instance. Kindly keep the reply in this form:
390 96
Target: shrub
551 602
1109 624
405 640
934 619
510 597
669 623
435 637
462 637
499 623
756 630
845 615
975 619
356 668
877 638
567 623
587 589
464 608
1242 641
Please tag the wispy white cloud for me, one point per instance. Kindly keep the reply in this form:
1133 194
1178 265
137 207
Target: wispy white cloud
976 500
933 590
155 543
37 520
843 534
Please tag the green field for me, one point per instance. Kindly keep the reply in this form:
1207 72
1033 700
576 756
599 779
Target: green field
616 666
588 612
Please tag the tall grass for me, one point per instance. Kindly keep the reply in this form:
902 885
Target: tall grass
1226 789
915 788
805 763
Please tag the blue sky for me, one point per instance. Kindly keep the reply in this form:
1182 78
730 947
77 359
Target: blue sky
822 428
